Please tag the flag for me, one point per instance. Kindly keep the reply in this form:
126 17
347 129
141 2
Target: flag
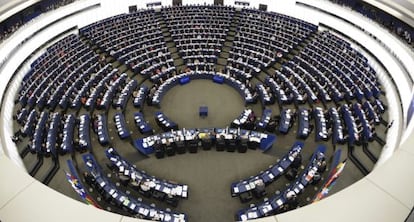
77 186
331 181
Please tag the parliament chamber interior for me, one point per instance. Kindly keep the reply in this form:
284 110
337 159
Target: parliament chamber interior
160 110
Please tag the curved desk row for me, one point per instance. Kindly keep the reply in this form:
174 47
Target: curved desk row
140 96
111 92
125 201
321 124
147 66
270 175
121 126
108 75
317 88
62 81
214 135
355 65
295 95
304 126
91 81
166 61
132 53
68 134
286 120
266 98
264 56
251 64
37 140
27 128
245 120
164 72
279 201
264 120
76 84
101 128
350 125
367 133
239 72
51 73
139 177
302 85
278 91
328 93
143 126
125 94
217 77
84 132
371 113
337 127
335 80
52 134
21 115
164 122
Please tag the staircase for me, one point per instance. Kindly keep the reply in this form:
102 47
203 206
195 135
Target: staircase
228 44
175 55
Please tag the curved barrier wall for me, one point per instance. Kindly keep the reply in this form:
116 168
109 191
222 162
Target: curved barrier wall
386 194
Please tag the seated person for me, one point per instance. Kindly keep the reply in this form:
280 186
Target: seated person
89 178
291 199
259 190
145 188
